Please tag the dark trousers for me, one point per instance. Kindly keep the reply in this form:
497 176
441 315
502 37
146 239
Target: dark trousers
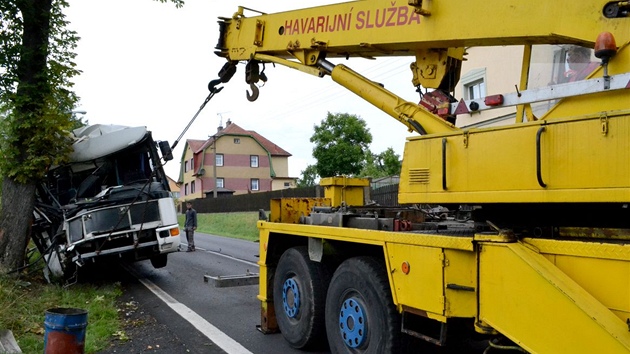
190 237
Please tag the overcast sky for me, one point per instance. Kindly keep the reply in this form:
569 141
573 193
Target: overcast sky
148 64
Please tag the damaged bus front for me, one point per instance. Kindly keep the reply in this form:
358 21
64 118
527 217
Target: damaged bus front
111 200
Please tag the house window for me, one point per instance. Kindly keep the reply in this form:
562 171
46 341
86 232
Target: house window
185 166
219 159
253 161
254 184
220 183
186 189
192 187
475 89
287 184
192 165
237 140
474 84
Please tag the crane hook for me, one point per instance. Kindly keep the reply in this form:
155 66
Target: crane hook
255 92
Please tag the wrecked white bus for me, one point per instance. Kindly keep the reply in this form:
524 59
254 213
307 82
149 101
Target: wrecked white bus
111 200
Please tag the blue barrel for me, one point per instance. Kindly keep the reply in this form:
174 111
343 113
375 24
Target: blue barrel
65 331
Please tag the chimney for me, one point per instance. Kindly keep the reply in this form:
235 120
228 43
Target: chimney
228 122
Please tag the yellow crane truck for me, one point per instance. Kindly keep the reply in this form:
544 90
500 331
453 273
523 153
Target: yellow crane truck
542 265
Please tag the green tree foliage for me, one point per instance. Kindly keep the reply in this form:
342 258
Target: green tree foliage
35 89
309 177
387 163
340 145
391 162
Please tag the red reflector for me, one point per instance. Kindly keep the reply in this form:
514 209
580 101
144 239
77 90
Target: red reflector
495 100
443 112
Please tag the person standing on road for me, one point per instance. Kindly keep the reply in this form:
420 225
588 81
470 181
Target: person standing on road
190 225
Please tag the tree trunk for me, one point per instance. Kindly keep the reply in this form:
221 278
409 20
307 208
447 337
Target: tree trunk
18 192
15 221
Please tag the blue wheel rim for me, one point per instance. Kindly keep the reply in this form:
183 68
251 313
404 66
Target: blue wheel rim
352 323
290 291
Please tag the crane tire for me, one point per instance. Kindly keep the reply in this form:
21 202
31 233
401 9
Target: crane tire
299 292
360 313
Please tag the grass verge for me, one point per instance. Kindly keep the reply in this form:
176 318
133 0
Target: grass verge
241 225
23 304
24 301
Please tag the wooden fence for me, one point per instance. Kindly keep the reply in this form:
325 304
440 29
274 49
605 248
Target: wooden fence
386 196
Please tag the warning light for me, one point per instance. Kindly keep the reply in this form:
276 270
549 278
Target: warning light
605 46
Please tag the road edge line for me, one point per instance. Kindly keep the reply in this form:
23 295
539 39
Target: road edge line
219 338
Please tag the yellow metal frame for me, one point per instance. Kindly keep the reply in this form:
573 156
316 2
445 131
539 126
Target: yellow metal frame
290 210
344 190
373 28
543 309
548 296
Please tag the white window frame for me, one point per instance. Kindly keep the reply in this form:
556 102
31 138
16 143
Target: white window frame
475 77
253 161
237 140
192 187
254 184
220 182
218 157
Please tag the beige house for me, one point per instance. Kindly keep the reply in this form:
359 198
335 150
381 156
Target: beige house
236 161
174 187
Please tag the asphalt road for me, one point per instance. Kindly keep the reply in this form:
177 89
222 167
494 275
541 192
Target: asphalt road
173 310
189 315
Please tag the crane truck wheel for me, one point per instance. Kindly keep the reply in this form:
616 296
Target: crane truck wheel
360 313
299 292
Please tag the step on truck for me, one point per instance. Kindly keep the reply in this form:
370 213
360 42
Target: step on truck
112 200
541 263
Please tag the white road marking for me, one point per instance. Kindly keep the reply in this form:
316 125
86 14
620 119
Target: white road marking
225 256
221 339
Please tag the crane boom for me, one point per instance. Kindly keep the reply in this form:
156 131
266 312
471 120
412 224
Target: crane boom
374 28
434 32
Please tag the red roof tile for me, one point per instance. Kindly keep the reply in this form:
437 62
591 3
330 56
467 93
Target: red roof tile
273 149
195 145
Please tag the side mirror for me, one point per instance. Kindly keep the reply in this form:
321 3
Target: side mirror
166 151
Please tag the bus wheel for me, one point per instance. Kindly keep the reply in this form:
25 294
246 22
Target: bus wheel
159 261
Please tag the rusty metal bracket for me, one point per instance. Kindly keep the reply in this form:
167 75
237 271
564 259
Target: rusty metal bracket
603 120
417 4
